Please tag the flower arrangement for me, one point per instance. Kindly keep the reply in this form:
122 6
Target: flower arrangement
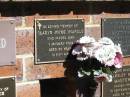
98 58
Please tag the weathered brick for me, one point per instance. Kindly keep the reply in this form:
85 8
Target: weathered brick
30 19
43 71
93 32
96 19
18 20
126 61
28 89
15 70
24 41
85 17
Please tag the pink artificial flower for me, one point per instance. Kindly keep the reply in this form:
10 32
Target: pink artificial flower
118 60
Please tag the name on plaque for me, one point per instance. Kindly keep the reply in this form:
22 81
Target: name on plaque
120 86
54 38
118 29
7 87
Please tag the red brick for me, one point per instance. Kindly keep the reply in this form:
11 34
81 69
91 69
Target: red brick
28 89
30 19
97 18
126 61
43 71
93 32
24 41
85 17
15 70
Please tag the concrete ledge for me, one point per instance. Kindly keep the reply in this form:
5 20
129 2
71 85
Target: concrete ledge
28 89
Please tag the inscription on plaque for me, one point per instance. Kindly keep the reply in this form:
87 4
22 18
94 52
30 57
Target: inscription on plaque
118 29
120 86
54 38
7 87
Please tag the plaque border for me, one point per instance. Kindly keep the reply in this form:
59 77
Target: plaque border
35 44
102 29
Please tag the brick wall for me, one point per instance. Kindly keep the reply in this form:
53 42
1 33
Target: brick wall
27 74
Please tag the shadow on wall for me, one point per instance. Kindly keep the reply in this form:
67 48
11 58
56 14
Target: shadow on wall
71 85
78 86
58 8
53 87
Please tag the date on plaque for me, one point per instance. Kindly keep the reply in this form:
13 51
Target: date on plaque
53 38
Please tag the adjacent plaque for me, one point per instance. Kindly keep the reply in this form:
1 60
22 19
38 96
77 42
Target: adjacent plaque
120 86
7 87
7 42
54 38
118 29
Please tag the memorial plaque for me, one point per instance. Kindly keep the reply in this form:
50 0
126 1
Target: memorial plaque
7 87
120 86
7 42
54 38
118 29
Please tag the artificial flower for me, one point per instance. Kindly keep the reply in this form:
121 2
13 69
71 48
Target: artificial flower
86 40
106 54
103 55
106 41
118 60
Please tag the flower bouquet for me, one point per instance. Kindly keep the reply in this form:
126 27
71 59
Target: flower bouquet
99 58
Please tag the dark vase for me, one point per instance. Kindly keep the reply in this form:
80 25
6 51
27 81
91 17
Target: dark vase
86 87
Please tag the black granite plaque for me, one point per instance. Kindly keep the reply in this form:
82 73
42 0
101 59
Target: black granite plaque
120 86
118 29
7 87
54 38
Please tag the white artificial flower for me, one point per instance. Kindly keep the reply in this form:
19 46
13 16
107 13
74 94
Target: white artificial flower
118 48
84 49
86 39
83 73
105 54
109 62
109 78
80 75
106 41
81 52
104 50
82 57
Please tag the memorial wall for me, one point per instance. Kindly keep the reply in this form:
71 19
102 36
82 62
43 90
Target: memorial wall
35 38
